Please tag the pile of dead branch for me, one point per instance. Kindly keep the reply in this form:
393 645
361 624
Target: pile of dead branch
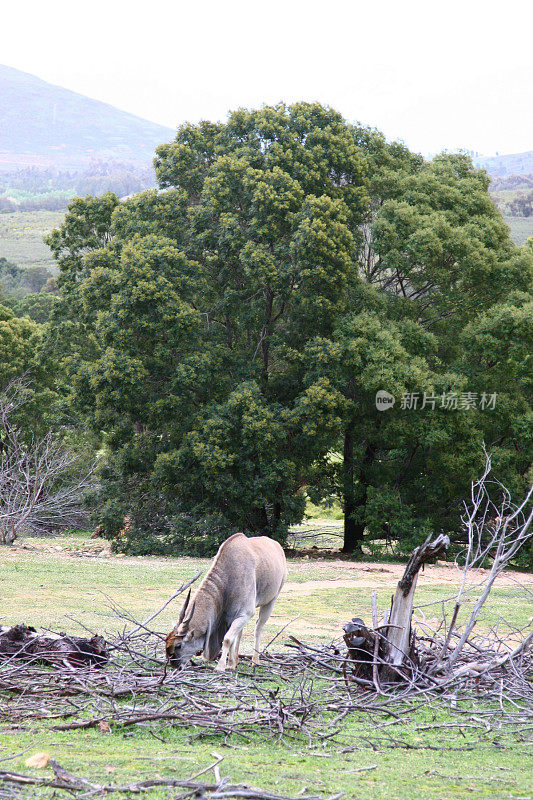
300 699
377 675
300 696
391 652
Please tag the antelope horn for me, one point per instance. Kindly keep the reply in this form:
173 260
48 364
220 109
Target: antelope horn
190 612
184 609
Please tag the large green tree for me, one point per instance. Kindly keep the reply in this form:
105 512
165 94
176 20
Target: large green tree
187 312
21 355
436 265
228 332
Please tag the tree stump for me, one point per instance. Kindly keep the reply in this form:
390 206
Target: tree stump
385 653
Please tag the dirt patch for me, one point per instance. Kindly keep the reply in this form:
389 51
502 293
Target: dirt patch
353 574
61 550
390 575
311 586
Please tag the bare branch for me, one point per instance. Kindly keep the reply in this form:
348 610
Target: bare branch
42 485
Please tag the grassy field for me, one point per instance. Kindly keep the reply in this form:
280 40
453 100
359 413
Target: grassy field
21 237
63 582
521 228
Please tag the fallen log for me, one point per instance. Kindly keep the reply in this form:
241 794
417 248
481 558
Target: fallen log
24 643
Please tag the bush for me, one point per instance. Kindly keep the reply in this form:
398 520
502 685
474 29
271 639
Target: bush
184 534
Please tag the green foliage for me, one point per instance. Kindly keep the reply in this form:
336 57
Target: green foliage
497 357
36 305
190 534
227 334
236 458
20 354
17 282
443 310
187 312
19 339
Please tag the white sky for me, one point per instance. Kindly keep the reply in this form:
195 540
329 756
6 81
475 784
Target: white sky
439 75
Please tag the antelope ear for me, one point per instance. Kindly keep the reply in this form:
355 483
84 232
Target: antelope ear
188 636
184 609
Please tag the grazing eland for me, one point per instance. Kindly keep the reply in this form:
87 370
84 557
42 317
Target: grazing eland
246 573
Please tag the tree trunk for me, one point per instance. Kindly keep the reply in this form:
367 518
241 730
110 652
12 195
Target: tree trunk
354 507
352 534
265 339
258 520
353 531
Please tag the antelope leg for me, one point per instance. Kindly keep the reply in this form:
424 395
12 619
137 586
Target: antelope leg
264 613
235 629
233 655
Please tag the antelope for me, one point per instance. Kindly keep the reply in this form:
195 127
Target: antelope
246 573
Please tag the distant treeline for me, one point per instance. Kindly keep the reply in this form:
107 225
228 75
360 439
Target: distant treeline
17 282
45 202
511 182
514 195
34 188
27 292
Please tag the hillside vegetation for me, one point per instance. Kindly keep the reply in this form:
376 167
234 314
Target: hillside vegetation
513 195
21 237
51 189
511 164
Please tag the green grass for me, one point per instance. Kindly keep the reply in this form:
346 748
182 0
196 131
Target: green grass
332 510
21 237
50 588
485 771
521 228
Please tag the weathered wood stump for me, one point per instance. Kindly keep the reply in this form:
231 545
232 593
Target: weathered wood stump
23 642
387 652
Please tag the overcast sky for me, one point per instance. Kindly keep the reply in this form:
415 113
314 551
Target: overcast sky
439 75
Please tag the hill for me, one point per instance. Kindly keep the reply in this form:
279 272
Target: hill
47 126
512 164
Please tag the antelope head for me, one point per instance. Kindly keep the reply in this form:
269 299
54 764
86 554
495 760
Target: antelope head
184 641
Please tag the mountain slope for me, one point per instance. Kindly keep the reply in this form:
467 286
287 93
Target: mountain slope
45 125
512 164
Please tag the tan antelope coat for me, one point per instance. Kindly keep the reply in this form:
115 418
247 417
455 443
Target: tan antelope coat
246 573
